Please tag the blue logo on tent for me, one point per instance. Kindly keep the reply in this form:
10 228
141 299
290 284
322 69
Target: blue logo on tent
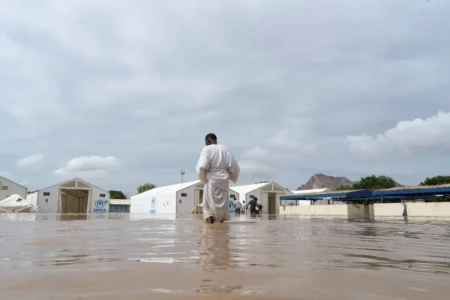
100 203
100 206
153 206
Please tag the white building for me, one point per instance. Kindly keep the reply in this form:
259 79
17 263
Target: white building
9 188
119 205
171 200
268 194
73 196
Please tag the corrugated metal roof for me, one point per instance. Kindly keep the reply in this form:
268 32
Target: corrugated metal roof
416 187
301 192
119 201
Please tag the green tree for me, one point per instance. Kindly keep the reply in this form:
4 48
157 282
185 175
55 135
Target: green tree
117 195
344 188
145 187
436 180
374 183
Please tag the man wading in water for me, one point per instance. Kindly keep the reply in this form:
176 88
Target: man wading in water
216 167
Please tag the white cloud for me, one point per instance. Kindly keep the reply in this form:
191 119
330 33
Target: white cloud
147 79
282 149
90 167
32 162
415 136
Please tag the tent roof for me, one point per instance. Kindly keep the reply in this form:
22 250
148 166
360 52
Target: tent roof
244 189
120 202
170 188
13 182
74 179
14 200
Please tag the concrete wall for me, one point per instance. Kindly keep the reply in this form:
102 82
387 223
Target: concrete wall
424 209
430 209
49 203
315 210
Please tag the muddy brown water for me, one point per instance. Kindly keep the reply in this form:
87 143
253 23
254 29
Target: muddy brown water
134 257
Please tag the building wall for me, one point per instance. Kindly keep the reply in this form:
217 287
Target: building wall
247 198
315 210
264 200
430 209
187 203
326 202
424 209
119 208
154 203
12 188
49 203
137 204
98 201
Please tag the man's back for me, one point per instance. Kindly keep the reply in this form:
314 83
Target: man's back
219 160
216 167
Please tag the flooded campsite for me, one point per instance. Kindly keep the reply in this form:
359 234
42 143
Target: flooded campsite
119 256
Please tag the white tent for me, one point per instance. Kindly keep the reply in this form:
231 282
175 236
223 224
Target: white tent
16 203
173 199
268 194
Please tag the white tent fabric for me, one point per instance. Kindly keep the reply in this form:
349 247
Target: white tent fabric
33 199
15 203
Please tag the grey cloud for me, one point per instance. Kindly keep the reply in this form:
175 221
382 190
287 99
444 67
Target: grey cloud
144 81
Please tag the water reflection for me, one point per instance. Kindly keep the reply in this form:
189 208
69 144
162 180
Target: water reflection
215 253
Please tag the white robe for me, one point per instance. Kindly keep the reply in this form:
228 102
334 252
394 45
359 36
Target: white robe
216 167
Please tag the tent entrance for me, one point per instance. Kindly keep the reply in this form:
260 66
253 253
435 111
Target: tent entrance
272 203
74 201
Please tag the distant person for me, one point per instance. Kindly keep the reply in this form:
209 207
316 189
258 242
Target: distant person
259 207
237 207
216 167
252 203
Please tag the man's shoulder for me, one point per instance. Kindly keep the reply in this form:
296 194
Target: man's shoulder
222 147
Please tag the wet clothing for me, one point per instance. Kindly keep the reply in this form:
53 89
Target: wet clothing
216 167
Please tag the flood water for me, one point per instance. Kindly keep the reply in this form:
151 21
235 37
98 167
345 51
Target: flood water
124 257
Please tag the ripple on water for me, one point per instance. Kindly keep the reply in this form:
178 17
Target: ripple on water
276 246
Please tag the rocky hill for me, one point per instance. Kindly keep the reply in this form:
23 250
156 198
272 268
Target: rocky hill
318 181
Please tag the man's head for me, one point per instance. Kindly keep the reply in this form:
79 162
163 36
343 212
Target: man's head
210 139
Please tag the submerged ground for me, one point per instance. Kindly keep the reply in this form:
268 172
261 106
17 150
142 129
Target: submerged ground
126 257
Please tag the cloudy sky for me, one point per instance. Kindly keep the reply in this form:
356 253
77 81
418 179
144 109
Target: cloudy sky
121 93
